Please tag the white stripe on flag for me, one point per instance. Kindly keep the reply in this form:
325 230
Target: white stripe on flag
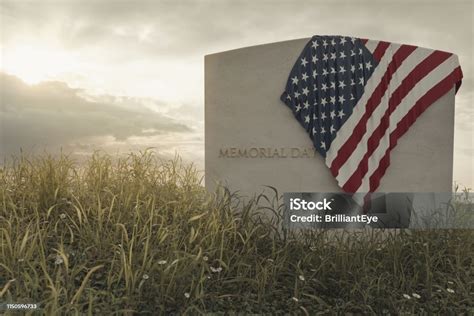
371 45
421 88
350 166
359 109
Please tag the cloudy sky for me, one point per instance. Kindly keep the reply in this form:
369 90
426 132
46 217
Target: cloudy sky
126 75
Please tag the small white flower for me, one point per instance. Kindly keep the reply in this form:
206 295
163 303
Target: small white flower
450 290
407 296
162 262
416 295
58 260
205 258
21 260
208 277
216 270
295 299
145 277
187 295
301 277
62 216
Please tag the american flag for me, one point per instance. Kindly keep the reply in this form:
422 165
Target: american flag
356 97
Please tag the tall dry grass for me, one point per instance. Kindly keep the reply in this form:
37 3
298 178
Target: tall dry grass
141 235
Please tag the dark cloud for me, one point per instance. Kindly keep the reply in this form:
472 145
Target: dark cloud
52 113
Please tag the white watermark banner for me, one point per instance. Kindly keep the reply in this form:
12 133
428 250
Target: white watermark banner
378 210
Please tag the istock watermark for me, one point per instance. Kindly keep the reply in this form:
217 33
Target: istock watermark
414 210
324 210
300 204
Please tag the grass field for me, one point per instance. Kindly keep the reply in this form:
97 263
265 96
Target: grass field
140 235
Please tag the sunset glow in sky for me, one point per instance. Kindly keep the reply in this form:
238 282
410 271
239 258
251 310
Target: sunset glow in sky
126 75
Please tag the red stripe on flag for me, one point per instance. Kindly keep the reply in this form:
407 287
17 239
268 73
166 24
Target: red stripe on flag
418 73
364 40
421 105
380 50
346 150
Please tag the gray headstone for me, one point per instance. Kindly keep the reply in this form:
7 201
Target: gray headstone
243 112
